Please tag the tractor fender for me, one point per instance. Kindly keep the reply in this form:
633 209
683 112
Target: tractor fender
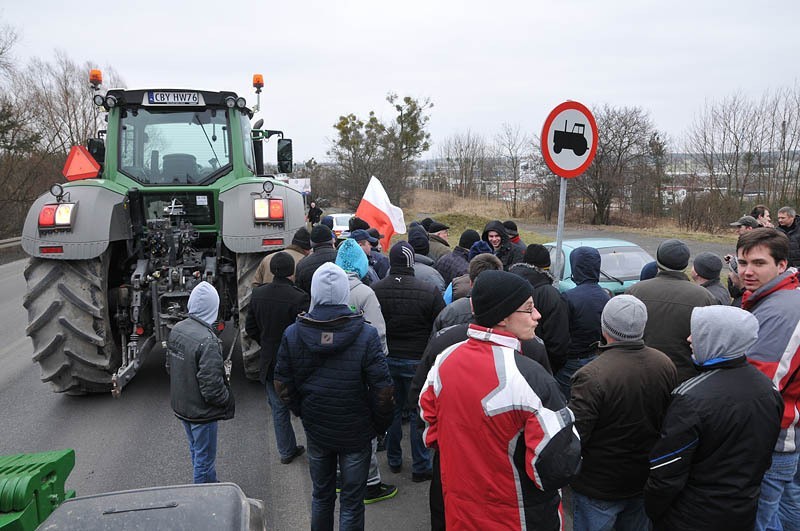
101 216
241 234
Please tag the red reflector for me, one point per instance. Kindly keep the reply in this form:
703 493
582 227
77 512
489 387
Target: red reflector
276 209
47 216
220 326
139 330
56 249
80 164
274 241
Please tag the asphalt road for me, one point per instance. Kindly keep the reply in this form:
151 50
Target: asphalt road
135 441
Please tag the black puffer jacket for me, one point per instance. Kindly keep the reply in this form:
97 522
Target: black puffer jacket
305 268
332 372
409 306
508 253
716 443
553 326
793 232
453 264
198 390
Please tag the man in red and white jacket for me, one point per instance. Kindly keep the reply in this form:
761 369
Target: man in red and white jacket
773 296
506 439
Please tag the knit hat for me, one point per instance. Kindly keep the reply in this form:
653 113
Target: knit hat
401 255
321 235
360 235
721 333
498 294
624 318
479 247
672 255
468 237
356 223
707 265
328 222
650 270
418 239
426 223
351 258
281 265
302 238
329 285
537 255
436 227
511 229
746 221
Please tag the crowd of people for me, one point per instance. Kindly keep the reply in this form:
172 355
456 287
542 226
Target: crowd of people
671 407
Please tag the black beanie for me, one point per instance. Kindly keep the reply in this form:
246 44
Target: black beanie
511 228
468 237
426 223
418 239
281 265
537 255
356 223
401 255
498 294
321 235
672 255
302 238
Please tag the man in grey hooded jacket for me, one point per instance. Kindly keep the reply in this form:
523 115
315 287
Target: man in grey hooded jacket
199 390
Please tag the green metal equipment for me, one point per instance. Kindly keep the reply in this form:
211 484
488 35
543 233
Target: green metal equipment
32 487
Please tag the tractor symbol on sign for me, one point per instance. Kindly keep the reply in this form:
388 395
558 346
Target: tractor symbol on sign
570 140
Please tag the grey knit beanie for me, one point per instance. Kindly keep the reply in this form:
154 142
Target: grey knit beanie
708 265
672 255
624 318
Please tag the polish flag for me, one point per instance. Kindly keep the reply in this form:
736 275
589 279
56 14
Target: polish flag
376 209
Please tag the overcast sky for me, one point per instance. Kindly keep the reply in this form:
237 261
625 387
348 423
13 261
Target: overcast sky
481 63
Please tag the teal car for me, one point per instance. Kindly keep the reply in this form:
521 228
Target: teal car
621 262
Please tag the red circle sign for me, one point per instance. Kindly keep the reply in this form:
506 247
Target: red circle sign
570 148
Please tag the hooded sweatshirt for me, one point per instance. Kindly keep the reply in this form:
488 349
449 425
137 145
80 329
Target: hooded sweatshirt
508 253
331 368
585 302
711 343
204 303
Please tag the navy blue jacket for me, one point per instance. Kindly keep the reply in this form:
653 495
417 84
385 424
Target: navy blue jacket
585 302
453 264
332 372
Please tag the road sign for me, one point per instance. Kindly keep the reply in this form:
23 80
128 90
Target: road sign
569 139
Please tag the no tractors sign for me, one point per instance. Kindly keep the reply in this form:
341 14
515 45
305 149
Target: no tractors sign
569 139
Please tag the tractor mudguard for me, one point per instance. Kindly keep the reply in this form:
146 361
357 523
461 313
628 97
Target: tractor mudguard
100 217
240 232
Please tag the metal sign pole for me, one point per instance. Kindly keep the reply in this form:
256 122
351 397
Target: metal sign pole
562 207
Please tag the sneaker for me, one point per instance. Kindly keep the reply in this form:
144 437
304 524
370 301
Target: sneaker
298 451
419 477
381 491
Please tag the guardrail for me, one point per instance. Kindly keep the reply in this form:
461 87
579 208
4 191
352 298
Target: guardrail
10 242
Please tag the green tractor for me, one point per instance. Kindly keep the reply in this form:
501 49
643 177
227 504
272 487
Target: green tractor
172 193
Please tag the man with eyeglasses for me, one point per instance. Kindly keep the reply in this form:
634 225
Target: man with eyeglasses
498 419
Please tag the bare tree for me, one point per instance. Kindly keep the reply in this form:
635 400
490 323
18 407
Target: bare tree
512 147
465 157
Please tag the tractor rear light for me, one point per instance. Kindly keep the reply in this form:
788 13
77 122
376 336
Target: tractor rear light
55 249
268 210
220 326
241 102
266 242
139 330
57 216
47 216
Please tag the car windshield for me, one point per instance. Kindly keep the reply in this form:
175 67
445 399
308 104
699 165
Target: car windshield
624 263
164 147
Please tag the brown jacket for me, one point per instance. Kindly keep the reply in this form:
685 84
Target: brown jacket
264 275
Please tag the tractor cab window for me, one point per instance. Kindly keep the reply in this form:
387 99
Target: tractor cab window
174 148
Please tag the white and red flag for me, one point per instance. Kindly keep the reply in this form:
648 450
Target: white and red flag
376 209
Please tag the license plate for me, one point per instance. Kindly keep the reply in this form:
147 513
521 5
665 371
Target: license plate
174 98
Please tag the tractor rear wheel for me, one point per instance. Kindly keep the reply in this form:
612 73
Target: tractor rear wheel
69 324
246 265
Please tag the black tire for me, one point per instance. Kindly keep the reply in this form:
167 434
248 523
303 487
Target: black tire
69 324
246 265
557 148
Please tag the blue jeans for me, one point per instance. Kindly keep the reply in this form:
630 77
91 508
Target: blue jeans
591 514
564 374
322 467
403 372
281 422
779 503
203 448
